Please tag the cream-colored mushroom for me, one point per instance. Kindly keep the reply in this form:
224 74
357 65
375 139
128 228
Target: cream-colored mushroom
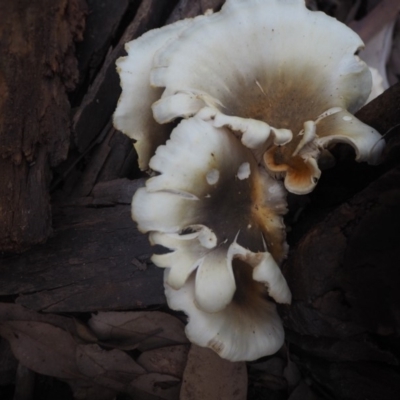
265 69
247 329
263 86
214 208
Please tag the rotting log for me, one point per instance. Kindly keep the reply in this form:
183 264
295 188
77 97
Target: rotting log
37 67
89 265
96 260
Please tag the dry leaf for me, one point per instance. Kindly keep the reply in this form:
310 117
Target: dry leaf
15 312
42 347
169 360
113 369
207 376
92 372
141 330
156 386
107 372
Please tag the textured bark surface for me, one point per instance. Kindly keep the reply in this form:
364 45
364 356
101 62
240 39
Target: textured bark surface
37 67
95 260
96 268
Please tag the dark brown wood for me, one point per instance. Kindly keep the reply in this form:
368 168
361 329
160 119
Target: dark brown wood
344 276
108 161
97 160
383 113
36 68
96 260
100 101
115 165
102 24
118 191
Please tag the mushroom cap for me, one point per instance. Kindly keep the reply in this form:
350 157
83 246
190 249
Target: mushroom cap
247 329
265 68
209 203
259 58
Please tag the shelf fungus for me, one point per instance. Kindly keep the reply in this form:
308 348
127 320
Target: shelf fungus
222 108
286 78
220 215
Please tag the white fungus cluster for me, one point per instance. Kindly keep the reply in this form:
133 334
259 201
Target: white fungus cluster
256 92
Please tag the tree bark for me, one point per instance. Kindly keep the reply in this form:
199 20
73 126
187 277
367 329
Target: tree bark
38 67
